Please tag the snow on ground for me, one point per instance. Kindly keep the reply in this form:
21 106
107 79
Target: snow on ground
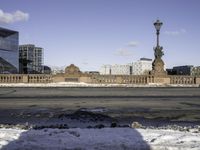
82 84
98 139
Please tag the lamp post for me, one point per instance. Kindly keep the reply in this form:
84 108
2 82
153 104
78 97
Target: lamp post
158 64
158 25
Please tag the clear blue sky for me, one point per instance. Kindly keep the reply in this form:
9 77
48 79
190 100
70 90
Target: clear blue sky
90 33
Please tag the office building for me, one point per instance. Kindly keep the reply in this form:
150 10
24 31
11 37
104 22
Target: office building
9 53
105 70
183 70
46 70
31 59
121 70
142 66
115 70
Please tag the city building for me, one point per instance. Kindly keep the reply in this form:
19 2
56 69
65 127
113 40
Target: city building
46 70
170 71
142 66
9 53
188 70
57 70
31 59
105 70
121 69
183 70
92 72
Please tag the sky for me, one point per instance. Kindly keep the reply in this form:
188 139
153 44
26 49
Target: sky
91 33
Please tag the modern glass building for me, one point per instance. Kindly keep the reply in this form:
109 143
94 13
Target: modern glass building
31 59
9 53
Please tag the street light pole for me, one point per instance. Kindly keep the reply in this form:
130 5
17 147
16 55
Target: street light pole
158 25
157 33
158 64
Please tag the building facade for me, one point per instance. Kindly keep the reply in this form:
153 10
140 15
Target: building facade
46 70
142 66
183 70
31 59
105 69
121 70
9 53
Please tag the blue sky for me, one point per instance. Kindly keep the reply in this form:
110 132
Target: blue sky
90 33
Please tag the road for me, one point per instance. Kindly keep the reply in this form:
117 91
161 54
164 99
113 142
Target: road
180 104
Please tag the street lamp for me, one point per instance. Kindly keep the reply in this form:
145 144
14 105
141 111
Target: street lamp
158 25
158 64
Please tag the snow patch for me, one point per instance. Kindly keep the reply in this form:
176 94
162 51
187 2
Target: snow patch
83 84
106 138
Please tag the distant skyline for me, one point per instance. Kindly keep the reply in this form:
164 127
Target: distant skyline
90 33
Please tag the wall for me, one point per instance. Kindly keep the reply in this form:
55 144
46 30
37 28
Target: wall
119 79
198 80
4 78
98 79
162 80
31 78
182 80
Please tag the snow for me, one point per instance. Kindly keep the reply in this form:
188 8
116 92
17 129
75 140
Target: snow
105 138
82 84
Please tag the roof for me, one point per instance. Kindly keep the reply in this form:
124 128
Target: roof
6 32
146 59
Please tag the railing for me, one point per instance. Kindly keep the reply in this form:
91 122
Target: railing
5 78
120 79
39 78
105 79
182 80
22 78
133 79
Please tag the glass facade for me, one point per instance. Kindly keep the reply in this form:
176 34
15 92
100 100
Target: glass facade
32 59
9 43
